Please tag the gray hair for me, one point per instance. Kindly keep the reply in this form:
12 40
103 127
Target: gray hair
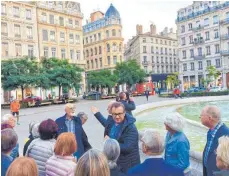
111 149
175 121
213 111
6 118
153 141
9 140
35 132
82 115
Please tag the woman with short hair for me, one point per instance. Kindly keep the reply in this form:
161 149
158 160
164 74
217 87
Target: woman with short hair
9 140
111 149
177 145
92 163
42 148
222 158
23 166
63 163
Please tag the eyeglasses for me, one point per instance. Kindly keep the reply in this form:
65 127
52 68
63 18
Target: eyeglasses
117 114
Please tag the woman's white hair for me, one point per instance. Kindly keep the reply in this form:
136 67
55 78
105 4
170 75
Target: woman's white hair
35 132
6 118
175 121
223 150
111 149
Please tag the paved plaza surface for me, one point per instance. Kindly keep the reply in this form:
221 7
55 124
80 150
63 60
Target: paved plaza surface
93 128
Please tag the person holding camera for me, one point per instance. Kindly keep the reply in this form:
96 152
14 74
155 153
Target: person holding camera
127 101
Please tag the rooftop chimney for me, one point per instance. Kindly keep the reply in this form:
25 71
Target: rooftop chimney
153 29
138 29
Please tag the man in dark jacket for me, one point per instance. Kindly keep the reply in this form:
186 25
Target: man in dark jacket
127 102
71 123
210 117
147 94
121 127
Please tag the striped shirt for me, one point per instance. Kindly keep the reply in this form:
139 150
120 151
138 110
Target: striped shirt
70 125
210 138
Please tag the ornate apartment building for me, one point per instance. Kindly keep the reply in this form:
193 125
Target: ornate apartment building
18 29
155 53
203 40
103 41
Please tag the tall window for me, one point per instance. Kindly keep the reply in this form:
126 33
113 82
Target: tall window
77 38
189 26
144 49
199 51
53 52
45 35
113 32
96 63
28 14
114 47
101 62
99 36
30 50
191 53
70 22
16 12
18 49
76 23
4 29
200 65
71 38
63 54
61 20
217 63
120 47
216 34
62 36
91 52
95 37
152 50
100 50
207 35
5 49
43 17
107 34
17 30
72 54
192 66
161 50
46 51
114 59
208 50
3 9
206 22
108 47
51 19
208 63
183 41
182 29
191 39
215 19
184 67
29 32
95 51
108 60
217 48
52 35
184 54
78 55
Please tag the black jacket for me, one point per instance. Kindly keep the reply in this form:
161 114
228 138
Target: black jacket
128 140
116 172
81 137
129 106
27 144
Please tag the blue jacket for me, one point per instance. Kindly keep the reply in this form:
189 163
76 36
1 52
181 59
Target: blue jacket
155 167
5 163
177 150
81 137
128 140
129 106
211 161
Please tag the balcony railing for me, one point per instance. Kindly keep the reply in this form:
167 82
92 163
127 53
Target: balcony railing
198 28
199 57
225 21
225 52
225 37
205 11
145 62
4 34
198 41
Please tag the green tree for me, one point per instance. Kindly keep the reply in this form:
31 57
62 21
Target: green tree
102 78
129 72
172 80
213 73
61 73
19 73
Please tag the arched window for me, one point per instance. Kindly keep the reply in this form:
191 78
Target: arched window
113 32
95 51
91 52
114 47
108 47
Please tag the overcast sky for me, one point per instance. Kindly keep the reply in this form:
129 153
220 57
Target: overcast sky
162 13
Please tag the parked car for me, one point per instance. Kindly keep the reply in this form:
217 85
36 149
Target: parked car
196 89
215 89
93 95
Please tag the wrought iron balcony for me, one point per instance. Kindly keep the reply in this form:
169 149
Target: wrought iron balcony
198 28
225 52
225 37
200 57
198 41
145 62
225 21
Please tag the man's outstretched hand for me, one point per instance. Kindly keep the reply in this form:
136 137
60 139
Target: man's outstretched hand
94 110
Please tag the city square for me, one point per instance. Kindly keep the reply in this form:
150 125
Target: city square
104 84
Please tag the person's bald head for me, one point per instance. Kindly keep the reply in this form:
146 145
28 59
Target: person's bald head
70 109
109 106
210 116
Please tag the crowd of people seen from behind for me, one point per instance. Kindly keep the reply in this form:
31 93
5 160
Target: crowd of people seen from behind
62 148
